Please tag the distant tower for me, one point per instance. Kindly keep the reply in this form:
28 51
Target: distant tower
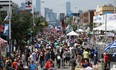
22 6
38 6
68 8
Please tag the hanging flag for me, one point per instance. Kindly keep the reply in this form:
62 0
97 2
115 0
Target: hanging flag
6 29
7 18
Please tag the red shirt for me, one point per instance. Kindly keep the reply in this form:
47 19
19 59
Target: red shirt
14 64
105 58
48 65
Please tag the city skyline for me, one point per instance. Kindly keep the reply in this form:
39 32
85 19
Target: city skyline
60 6
38 6
68 7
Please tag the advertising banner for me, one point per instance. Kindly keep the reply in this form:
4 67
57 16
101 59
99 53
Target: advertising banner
98 19
111 17
6 30
28 4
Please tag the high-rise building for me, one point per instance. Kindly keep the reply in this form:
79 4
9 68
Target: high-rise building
50 16
22 6
68 7
38 5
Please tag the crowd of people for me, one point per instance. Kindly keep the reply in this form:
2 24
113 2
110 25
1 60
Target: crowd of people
51 51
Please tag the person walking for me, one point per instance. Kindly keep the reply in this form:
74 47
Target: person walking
85 54
41 60
95 61
73 63
58 60
105 59
32 66
15 64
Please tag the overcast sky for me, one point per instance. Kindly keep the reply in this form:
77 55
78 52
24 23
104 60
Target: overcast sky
59 6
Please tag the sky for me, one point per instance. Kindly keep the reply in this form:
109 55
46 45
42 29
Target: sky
59 6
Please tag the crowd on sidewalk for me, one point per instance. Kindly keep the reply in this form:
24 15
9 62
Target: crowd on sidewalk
50 51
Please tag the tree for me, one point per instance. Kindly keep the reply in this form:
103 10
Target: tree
90 25
40 23
21 24
3 14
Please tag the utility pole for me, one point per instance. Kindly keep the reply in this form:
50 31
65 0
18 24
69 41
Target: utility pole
9 13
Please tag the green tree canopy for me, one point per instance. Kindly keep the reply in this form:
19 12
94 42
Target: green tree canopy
21 26
3 14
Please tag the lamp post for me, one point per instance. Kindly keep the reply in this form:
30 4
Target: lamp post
10 26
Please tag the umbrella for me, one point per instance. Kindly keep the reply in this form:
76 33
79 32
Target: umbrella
72 33
111 45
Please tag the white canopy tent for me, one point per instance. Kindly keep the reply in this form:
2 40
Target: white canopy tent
110 34
72 33
111 26
79 30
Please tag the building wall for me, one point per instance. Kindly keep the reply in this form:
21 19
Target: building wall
5 5
104 9
86 17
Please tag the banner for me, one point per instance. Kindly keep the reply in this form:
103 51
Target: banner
98 19
111 17
6 29
28 4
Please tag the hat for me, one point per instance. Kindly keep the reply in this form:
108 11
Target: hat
104 53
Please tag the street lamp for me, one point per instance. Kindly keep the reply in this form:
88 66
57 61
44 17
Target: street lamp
10 26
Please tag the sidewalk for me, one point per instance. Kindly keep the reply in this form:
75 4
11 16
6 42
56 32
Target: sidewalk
113 66
99 66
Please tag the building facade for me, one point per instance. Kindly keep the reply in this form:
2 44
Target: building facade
86 17
5 5
100 10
